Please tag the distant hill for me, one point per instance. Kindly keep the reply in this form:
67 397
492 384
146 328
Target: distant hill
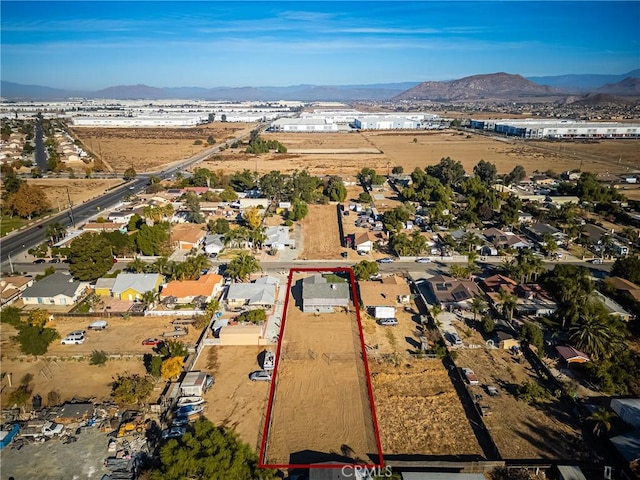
131 92
582 82
595 100
344 93
628 86
501 85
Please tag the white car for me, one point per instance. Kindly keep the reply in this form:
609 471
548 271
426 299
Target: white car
423 260
597 261
74 338
386 260
260 375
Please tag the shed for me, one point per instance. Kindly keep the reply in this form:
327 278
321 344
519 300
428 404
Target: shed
74 413
193 383
240 335
571 355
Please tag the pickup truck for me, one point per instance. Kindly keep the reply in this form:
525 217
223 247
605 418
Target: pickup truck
42 429
471 376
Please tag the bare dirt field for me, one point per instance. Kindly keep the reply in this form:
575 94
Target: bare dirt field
419 412
151 149
66 367
235 401
80 190
520 430
321 236
321 408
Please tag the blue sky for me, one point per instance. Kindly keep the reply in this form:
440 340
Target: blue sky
93 45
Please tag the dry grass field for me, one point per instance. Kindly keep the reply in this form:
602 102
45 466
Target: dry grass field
520 430
80 190
152 149
419 412
321 407
321 236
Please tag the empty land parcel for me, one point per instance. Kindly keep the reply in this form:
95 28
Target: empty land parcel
321 409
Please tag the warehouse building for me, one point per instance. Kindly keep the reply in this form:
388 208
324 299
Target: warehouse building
533 128
142 121
303 125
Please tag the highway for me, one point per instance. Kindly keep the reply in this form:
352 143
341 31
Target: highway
14 245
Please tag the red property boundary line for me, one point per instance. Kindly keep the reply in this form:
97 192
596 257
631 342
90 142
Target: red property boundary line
272 391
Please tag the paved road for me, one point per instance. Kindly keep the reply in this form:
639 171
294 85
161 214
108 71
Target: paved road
13 246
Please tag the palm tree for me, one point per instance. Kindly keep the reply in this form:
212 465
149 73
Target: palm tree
257 237
602 419
137 266
592 335
195 264
149 297
508 302
242 266
161 266
457 271
55 231
478 305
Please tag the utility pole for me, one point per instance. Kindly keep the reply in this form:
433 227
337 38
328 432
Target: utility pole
10 263
71 209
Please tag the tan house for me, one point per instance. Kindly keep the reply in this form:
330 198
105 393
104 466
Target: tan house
365 241
390 292
12 287
506 341
186 236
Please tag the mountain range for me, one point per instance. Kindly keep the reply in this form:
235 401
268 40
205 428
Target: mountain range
495 86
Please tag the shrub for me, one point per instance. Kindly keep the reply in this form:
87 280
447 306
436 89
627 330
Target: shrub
532 392
153 364
98 357
54 398
253 316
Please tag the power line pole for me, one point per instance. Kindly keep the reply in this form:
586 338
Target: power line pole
71 208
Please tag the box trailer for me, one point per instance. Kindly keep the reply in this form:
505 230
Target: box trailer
384 312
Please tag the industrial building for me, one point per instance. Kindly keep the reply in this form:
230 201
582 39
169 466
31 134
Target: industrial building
303 125
537 129
141 121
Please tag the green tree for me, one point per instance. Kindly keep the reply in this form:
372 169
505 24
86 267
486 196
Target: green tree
299 210
488 324
508 303
220 226
153 240
35 339
601 419
272 185
364 197
129 173
627 267
55 231
487 172
478 305
173 348
398 169
90 257
135 223
153 364
242 266
256 315
131 389
364 269
448 171
594 334
11 316
242 181
137 266
228 195
532 335
532 392
516 175
208 452
335 189
10 181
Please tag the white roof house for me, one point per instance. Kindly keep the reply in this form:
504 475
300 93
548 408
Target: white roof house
277 237
255 294
57 289
135 284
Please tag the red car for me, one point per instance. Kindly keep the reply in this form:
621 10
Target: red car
151 341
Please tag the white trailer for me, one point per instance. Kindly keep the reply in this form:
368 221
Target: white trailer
384 312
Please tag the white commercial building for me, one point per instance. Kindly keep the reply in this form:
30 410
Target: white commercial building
550 128
303 125
141 121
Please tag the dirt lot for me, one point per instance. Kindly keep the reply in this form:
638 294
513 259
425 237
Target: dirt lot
321 236
520 430
150 149
235 401
419 412
80 190
321 388
71 373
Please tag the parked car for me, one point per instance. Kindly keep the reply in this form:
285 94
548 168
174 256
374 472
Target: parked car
55 260
181 421
39 260
73 339
385 260
388 322
597 261
173 432
98 325
423 260
260 375
151 341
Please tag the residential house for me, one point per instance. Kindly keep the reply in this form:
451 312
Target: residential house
132 286
104 227
58 288
450 293
365 242
277 237
390 292
624 286
531 299
185 291
537 232
570 355
12 287
501 239
321 296
525 217
187 236
628 444
213 244
543 180
121 216
253 295
104 286
594 233
614 309
558 201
